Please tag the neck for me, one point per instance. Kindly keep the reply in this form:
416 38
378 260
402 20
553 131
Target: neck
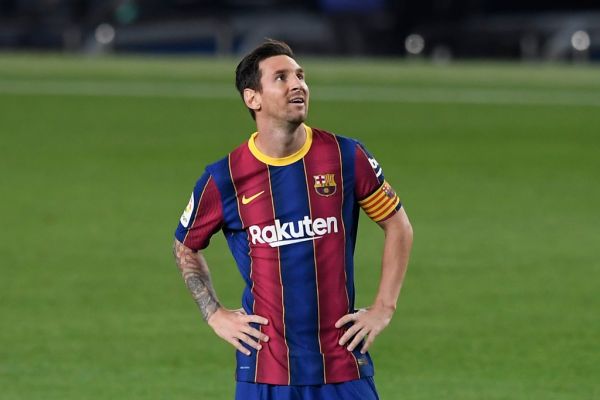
280 141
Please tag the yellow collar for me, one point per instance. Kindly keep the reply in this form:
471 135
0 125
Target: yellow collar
283 161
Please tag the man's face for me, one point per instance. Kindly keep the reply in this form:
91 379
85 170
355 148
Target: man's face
284 94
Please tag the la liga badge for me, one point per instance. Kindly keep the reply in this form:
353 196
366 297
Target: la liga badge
187 213
325 184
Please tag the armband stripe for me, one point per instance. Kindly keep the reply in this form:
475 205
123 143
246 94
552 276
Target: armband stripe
387 211
376 200
381 203
374 209
366 202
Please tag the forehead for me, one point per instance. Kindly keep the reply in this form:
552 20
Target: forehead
278 63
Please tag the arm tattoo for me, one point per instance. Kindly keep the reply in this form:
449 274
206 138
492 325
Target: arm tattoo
197 278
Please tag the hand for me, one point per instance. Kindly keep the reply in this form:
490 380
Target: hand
367 323
234 327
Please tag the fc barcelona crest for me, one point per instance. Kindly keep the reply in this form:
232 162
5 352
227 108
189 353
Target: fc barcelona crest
325 184
387 189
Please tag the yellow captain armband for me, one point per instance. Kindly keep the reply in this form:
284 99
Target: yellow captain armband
381 203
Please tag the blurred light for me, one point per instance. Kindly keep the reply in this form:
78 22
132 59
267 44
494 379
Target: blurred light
105 33
414 43
127 12
580 40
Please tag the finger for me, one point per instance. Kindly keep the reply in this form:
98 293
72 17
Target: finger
255 333
257 319
368 342
345 319
238 345
249 341
357 339
349 333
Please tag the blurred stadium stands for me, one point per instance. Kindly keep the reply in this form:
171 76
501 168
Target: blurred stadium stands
437 29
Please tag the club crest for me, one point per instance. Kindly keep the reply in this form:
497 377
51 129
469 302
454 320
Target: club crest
387 189
325 184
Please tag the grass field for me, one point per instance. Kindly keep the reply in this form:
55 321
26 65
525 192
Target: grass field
498 167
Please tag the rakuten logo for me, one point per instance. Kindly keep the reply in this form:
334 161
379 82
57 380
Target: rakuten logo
293 232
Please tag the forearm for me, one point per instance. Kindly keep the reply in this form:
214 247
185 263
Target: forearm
368 323
196 275
396 252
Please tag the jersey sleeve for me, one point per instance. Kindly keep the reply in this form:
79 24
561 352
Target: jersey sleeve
203 216
374 194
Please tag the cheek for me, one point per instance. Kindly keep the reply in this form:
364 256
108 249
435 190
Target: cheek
272 96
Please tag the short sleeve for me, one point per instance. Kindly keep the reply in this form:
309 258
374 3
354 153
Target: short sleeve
203 216
374 194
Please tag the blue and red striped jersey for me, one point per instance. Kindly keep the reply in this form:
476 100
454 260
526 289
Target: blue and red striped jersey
291 226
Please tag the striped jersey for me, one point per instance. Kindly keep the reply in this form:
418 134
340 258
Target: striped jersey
291 225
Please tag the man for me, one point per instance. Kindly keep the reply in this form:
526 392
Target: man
287 201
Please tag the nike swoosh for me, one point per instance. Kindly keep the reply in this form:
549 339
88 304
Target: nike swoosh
246 200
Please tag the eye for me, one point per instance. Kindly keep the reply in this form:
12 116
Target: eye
300 76
280 77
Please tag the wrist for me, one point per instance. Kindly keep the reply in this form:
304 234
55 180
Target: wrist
210 318
387 306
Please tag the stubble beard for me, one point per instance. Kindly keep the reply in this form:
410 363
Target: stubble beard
299 118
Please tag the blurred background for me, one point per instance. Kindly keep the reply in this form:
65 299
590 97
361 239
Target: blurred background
436 29
485 116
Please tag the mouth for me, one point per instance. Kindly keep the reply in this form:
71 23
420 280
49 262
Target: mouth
297 100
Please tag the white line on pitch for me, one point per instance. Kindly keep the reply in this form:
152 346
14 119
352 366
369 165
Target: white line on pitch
347 93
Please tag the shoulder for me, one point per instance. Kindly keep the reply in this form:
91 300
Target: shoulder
221 167
347 145
218 167
324 135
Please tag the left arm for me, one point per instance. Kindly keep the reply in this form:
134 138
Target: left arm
396 250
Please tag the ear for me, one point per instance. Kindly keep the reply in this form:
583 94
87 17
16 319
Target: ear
252 99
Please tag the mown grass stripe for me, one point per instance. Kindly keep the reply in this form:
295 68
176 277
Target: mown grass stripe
349 93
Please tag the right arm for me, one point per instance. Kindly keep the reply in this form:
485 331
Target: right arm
231 325
194 270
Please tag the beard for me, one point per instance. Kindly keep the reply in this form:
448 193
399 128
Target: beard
298 117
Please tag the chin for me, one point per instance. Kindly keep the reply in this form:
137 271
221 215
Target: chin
297 119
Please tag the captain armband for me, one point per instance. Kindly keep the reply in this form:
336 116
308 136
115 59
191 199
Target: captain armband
382 203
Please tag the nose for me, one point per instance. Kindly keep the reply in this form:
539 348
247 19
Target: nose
298 84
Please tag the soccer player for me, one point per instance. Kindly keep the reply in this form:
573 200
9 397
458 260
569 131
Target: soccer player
288 201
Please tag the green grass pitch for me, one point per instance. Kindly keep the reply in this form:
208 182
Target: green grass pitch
498 167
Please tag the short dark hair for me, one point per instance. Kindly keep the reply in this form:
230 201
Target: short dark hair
247 73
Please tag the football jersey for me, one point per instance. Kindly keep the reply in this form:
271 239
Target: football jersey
291 225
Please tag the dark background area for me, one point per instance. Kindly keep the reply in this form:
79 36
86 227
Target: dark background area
445 29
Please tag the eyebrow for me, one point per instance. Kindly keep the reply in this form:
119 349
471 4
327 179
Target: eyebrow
279 71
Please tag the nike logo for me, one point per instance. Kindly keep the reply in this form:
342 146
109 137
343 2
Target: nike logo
246 200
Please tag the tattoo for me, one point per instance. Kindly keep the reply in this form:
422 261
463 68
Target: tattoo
197 279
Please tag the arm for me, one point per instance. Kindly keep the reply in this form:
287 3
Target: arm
231 325
194 270
371 321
